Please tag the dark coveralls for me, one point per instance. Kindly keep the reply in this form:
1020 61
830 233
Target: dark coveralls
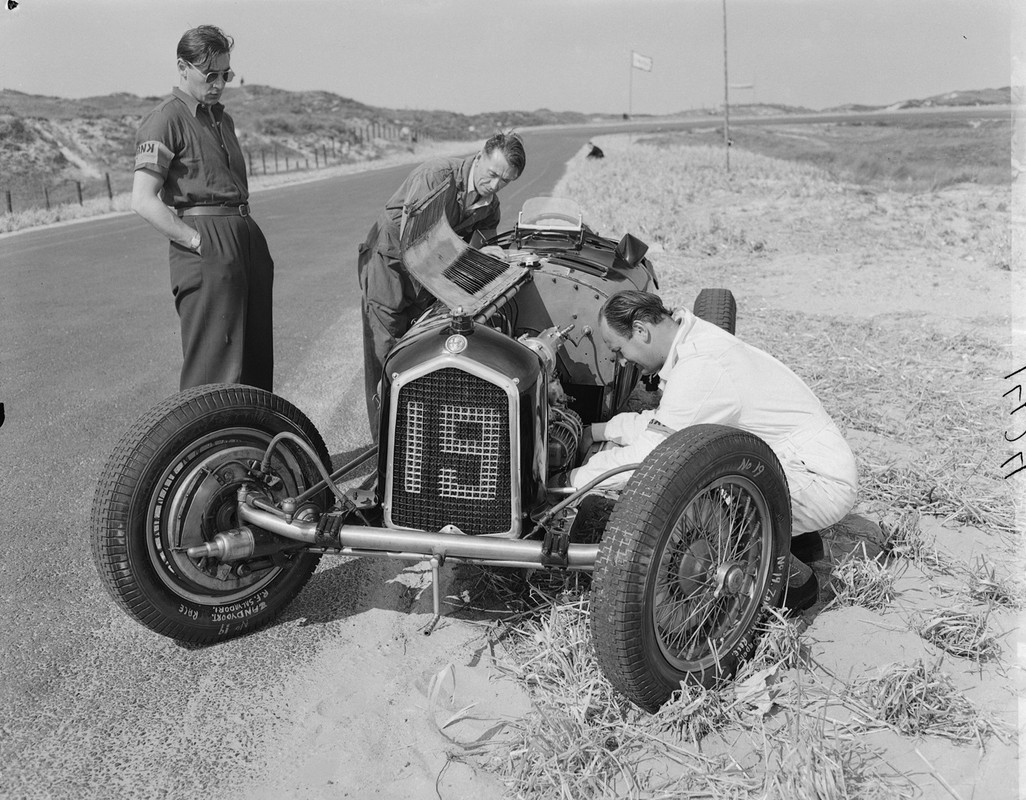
223 297
392 298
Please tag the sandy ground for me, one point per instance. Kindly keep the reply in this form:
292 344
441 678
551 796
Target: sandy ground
922 262
422 705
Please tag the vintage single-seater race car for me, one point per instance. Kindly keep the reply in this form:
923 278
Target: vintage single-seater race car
216 506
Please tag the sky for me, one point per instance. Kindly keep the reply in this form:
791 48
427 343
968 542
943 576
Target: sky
480 56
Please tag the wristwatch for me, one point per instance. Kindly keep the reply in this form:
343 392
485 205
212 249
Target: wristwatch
194 242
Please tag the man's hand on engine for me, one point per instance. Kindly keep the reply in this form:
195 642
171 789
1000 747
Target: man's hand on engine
584 447
593 434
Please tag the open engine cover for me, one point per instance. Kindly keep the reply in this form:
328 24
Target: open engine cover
453 271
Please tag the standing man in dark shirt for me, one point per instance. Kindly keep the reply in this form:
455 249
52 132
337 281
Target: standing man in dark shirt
188 157
392 298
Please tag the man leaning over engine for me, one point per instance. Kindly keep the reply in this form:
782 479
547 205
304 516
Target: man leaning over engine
392 298
709 376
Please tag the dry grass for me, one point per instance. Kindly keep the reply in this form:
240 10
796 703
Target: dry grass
36 217
984 586
780 645
581 741
959 632
811 760
861 581
930 391
677 208
693 712
917 700
691 207
905 539
933 390
925 155
584 741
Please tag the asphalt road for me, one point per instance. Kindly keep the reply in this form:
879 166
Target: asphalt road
91 704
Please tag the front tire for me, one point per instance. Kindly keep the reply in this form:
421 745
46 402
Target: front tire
171 483
696 547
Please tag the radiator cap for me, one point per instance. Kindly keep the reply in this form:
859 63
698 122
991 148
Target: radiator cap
456 344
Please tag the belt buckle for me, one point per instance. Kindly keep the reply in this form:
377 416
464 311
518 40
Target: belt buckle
244 210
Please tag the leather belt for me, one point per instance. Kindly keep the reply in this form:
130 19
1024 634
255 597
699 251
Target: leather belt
214 211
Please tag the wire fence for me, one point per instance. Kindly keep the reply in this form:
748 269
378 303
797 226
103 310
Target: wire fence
47 193
262 158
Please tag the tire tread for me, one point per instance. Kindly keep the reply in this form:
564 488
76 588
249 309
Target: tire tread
618 607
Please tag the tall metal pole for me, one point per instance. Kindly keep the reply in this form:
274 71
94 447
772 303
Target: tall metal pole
726 91
630 96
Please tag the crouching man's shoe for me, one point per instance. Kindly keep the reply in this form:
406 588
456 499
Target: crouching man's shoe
802 589
807 547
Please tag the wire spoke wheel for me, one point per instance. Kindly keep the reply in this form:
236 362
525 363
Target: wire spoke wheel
694 550
709 574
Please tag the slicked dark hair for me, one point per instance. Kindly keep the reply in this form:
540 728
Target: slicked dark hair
625 308
510 145
199 45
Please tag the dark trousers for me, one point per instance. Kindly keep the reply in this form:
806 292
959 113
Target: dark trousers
224 302
392 302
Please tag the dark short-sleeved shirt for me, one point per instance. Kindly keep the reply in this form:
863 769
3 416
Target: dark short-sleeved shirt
450 176
195 150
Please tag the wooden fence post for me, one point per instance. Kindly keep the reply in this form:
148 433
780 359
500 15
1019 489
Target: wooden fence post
10 207
78 184
46 194
263 159
317 161
110 191
276 157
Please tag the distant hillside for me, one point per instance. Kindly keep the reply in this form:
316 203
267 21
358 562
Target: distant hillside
969 97
53 141
56 142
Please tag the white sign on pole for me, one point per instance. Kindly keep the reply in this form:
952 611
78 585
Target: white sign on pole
639 61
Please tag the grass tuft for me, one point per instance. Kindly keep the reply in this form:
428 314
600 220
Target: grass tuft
905 539
917 700
958 632
985 586
812 762
692 713
860 581
579 741
779 646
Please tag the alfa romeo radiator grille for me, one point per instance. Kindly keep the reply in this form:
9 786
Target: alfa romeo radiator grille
452 460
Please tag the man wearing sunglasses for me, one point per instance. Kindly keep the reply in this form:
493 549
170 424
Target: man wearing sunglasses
190 184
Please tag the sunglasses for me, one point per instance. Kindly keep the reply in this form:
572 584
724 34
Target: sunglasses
227 76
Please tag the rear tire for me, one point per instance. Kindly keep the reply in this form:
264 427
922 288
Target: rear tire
696 548
718 307
170 483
